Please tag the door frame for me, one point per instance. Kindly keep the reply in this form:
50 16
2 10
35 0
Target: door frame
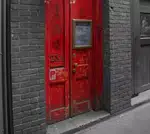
136 41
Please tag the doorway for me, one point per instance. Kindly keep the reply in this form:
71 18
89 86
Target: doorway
141 45
81 56
73 58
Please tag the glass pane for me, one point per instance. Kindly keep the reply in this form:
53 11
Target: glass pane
82 33
145 24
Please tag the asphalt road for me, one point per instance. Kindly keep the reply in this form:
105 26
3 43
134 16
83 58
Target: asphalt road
136 121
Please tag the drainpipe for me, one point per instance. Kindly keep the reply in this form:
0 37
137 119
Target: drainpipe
1 93
6 127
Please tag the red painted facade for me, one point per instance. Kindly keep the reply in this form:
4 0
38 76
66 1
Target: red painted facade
73 76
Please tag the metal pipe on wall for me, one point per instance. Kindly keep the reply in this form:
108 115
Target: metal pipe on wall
6 127
1 89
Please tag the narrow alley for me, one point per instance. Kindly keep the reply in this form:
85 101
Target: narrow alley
136 121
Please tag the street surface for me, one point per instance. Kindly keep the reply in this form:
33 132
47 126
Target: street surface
136 121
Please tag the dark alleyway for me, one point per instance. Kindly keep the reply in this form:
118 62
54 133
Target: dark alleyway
136 121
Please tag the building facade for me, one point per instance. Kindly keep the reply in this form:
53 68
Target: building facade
120 59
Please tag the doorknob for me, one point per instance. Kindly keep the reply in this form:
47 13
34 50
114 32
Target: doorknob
75 64
74 67
74 70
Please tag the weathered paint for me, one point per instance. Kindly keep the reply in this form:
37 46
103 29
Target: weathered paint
68 93
57 101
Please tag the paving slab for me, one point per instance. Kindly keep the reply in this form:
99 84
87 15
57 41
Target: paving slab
136 121
88 119
76 122
142 97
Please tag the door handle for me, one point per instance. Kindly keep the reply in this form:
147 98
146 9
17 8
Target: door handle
74 70
145 45
75 65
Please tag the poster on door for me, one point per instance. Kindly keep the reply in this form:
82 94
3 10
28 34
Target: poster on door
58 74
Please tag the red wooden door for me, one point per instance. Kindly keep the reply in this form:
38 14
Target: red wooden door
81 77
73 57
81 16
86 55
57 61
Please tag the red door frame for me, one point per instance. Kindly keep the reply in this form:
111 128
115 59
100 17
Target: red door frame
97 82
98 54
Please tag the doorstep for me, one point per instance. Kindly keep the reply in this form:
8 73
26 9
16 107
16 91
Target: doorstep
83 121
142 98
76 123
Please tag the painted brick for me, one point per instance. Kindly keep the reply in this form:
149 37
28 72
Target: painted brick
33 100
117 54
20 103
27 39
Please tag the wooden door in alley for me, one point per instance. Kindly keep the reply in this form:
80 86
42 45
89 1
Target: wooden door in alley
85 15
56 61
141 46
73 57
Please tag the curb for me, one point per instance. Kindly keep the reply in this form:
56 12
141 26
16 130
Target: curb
105 118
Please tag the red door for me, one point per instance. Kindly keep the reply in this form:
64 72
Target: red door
57 62
81 55
73 55
86 55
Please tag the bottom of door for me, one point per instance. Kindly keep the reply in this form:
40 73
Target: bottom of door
81 107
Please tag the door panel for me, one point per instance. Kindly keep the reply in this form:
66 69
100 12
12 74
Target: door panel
81 85
143 71
81 58
145 49
57 82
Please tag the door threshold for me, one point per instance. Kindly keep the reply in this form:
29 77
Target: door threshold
77 123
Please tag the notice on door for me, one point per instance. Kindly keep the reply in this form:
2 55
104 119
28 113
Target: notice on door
58 74
82 36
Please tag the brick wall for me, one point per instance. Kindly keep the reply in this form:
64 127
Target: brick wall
27 22
120 54
27 32
117 53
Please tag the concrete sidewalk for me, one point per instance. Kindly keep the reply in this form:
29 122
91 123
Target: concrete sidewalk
136 121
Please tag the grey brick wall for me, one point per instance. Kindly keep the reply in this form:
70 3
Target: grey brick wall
27 32
27 23
117 55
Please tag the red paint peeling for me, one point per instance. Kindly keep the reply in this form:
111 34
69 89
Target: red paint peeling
66 90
